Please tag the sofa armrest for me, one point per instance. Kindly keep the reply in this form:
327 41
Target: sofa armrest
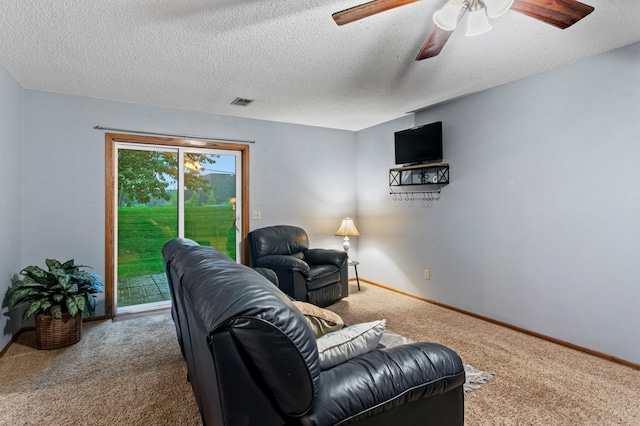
326 257
284 262
384 379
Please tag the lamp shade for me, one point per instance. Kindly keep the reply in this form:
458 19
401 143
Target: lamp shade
447 17
478 20
347 228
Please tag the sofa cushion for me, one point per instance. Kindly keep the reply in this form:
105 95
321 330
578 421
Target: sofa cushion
342 345
322 321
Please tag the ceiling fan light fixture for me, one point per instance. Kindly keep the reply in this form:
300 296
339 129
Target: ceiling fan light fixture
446 18
478 21
497 8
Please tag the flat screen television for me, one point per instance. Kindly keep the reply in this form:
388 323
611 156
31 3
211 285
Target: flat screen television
419 145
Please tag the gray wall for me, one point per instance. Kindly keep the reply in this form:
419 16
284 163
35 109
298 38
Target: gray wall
539 226
11 136
299 175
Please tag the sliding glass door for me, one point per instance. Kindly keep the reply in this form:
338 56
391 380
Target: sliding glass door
162 192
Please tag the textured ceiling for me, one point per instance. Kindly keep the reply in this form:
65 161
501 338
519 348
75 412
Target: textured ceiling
288 55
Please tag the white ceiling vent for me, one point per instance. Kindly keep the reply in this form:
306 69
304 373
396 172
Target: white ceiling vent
241 102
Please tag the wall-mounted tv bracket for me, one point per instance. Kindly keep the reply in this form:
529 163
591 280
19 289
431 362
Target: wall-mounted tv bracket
426 179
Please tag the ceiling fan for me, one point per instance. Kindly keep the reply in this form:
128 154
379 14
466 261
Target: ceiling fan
559 13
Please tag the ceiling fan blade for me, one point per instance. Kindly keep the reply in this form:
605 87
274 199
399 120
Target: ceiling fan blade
559 13
438 38
434 44
367 9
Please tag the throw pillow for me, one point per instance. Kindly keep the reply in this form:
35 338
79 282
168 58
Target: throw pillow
340 346
322 321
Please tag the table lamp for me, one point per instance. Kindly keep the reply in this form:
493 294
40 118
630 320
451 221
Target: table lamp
347 229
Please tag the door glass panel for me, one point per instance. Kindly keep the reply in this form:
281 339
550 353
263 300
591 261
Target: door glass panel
167 192
210 200
147 218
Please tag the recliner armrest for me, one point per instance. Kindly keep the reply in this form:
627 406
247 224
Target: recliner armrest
268 274
280 261
325 257
381 380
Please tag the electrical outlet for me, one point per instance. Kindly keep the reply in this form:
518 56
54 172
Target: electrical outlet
427 274
255 215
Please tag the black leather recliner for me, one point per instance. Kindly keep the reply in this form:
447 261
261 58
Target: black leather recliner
252 358
317 276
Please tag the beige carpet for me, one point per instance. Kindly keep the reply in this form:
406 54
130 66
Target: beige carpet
132 373
536 382
121 373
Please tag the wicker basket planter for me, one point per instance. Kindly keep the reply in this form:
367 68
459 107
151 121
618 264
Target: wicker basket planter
65 292
54 333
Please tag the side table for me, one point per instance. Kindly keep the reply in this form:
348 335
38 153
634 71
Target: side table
355 264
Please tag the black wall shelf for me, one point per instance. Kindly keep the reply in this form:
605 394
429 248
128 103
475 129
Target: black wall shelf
419 179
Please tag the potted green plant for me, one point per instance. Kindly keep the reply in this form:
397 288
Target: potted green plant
57 298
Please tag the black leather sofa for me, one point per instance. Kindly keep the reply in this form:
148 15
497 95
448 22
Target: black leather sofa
313 275
252 358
